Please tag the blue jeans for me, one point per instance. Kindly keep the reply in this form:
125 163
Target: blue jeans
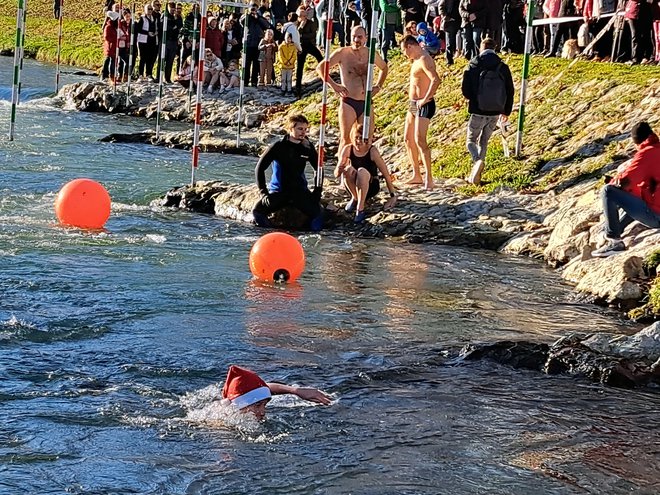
387 39
472 37
634 208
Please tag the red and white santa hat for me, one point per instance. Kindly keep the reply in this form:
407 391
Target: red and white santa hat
244 387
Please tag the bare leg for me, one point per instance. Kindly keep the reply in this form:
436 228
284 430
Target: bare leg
421 129
347 119
350 181
363 178
411 149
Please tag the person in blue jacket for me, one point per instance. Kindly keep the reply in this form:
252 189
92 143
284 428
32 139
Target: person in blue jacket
427 39
288 184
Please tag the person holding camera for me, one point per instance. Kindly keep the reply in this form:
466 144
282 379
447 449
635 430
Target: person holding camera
634 190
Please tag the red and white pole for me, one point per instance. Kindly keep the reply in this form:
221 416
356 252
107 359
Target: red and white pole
198 103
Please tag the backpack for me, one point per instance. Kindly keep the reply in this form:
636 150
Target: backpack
491 95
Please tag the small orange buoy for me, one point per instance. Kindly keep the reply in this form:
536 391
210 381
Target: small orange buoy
277 257
83 203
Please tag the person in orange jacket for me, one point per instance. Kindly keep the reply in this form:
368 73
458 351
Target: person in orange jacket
635 189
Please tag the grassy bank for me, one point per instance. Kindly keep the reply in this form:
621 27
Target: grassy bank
82 43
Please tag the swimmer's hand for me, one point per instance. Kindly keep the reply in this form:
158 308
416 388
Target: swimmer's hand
312 395
341 90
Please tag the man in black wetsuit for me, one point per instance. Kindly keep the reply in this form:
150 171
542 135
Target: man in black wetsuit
288 184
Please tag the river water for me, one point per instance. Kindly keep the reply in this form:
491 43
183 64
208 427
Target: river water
113 345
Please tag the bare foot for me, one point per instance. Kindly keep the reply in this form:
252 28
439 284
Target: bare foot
416 180
429 186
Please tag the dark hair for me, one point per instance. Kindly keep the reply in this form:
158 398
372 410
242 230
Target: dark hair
640 132
408 40
297 118
171 4
487 44
293 17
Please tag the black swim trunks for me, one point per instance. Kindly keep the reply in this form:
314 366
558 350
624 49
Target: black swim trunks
427 111
356 105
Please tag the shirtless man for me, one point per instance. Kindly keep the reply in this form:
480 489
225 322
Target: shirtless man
424 82
353 64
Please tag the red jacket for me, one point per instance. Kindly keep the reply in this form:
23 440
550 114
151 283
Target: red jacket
215 40
109 38
642 175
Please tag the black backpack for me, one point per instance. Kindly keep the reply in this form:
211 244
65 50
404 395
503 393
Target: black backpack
491 94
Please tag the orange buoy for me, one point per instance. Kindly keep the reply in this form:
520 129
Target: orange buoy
277 257
83 203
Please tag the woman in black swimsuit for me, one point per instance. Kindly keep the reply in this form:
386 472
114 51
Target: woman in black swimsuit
358 166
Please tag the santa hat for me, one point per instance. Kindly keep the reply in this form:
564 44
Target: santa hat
244 387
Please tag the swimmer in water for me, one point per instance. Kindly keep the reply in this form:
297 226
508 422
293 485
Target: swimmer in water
250 394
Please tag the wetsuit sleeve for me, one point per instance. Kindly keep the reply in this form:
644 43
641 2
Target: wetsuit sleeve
262 165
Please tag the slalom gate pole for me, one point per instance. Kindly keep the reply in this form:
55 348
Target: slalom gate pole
192 61
18 54
241 91
131 54
324 99
373 39
20 72
60 17
114 79
525 77
161 75
198 103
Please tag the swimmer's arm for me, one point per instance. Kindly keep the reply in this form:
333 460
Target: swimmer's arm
262 165
335 59
429 67
305 393
384 69
343 160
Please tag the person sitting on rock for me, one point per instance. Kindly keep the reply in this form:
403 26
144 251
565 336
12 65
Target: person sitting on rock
249 393
213 71
184 76
233 75
635 189
358 167
288 184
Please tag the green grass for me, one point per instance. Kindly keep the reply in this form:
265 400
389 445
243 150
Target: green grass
82 43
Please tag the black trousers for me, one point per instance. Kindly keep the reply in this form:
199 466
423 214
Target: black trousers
307 49
251 65
171 52
148 54
303 200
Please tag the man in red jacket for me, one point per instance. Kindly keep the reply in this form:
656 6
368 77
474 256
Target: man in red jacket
635 190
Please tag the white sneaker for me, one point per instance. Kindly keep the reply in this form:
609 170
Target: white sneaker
612 246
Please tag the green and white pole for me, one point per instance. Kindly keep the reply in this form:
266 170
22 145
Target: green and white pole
60 19
161 75
525 76
20 72
242 87
18 64
373 39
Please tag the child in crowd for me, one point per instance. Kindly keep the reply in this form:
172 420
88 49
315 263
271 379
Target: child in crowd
185 72
267 54
246 391
213 68
232 74
287 56
427 40
411 29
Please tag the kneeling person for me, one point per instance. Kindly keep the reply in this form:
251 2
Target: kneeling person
358 167
288 184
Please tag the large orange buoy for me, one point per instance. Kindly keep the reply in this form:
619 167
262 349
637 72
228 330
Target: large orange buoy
277 257
83 203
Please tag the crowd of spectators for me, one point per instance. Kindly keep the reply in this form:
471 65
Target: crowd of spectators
450 27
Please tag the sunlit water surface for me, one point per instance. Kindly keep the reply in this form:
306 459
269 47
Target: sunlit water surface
113 345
